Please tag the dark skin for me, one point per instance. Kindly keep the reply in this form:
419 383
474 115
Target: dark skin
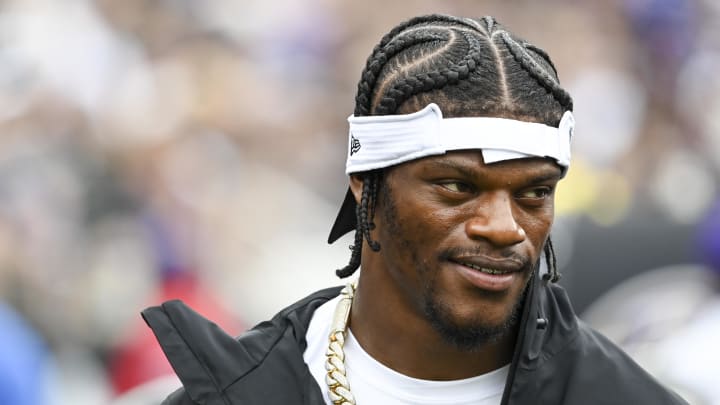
445 217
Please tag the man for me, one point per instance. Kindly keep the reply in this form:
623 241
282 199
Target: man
459 137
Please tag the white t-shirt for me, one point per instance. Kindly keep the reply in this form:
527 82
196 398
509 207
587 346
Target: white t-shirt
374 383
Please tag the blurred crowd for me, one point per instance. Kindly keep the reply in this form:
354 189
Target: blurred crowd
159 149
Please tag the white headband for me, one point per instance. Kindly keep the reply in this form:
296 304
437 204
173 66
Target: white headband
385 140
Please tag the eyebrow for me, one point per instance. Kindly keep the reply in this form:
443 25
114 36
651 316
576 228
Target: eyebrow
553 174
450 164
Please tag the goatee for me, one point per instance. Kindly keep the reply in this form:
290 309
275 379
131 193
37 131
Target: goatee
470 337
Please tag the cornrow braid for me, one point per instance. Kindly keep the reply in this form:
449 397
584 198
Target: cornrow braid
531 65
489 23
369 77
384 51
405 88
542 54
457 64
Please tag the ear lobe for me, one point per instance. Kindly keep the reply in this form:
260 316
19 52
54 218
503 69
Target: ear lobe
356 186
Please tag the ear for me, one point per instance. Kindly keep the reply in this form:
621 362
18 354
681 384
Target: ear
356 186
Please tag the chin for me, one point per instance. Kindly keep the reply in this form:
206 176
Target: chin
473 329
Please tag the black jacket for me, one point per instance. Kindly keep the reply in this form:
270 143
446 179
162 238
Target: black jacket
558 360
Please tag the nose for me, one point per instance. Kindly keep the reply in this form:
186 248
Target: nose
493 220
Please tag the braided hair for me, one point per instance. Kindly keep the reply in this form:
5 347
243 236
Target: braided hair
469 67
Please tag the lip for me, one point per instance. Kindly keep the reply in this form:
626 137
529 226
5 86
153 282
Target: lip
509 272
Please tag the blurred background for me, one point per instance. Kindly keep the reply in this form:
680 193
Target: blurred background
158 149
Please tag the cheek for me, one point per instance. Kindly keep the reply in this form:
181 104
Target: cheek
427 223
413 228
403 232
537 226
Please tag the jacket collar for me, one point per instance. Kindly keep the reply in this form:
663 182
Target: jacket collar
212 365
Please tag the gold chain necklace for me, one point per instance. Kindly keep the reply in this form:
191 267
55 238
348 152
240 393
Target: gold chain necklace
336 378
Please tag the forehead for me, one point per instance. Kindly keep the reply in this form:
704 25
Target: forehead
471 163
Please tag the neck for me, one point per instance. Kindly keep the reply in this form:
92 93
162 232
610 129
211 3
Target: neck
401 337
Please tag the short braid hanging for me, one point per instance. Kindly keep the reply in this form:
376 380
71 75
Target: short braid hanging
366 210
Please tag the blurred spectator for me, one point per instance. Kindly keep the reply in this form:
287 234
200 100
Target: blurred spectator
669 318
24 361
137 359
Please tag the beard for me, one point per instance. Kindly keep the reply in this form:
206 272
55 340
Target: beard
473 334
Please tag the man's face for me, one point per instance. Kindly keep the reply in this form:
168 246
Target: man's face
460 239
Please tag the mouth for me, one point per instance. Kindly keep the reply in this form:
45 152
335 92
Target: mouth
486 270
487 274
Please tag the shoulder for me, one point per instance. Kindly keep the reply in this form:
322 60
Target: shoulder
615 372
568 362
212 364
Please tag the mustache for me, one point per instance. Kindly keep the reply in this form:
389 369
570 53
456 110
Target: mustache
482 251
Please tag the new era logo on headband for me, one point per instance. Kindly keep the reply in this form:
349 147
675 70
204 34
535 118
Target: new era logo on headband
354 145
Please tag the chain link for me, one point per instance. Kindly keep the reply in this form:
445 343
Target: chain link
336 378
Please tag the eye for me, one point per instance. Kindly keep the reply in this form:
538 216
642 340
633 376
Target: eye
457 187
536 193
